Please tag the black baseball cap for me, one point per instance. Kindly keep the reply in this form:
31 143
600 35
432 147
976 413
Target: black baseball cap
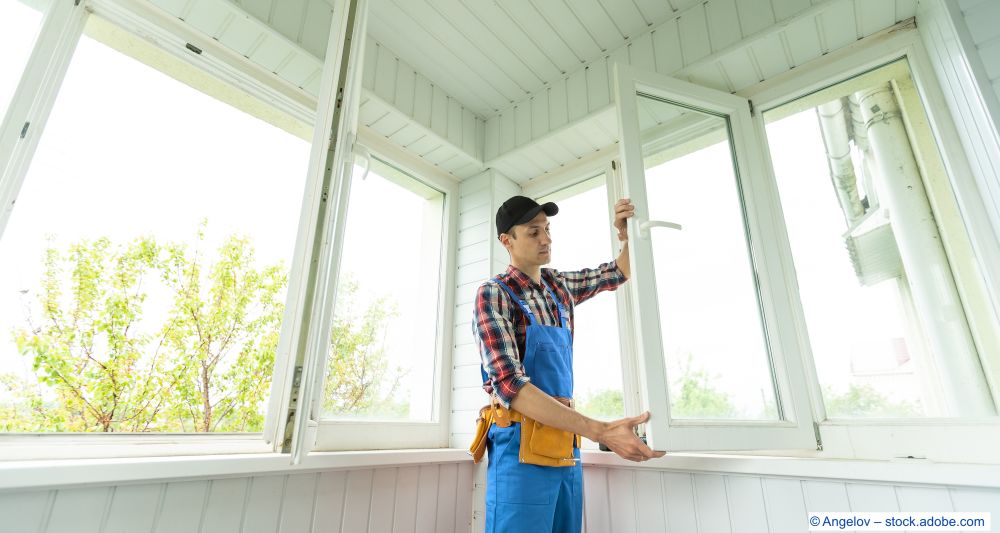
520 209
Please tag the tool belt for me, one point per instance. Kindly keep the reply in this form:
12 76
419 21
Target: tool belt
540 444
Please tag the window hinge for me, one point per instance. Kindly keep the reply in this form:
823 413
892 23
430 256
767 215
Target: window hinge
193 48
819 439
24 129
750 104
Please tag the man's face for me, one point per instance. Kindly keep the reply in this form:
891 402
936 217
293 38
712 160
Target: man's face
531 244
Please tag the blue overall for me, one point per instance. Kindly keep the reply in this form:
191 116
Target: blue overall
522 497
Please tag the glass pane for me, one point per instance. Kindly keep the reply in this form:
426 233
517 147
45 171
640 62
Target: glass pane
144 266
581 239
713 341
20 22
384 338
861 267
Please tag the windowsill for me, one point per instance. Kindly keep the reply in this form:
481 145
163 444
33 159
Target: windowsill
37 474
20 475
894 471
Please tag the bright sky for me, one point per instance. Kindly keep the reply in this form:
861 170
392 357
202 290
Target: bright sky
101 170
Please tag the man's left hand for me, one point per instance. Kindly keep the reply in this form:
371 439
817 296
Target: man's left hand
623 211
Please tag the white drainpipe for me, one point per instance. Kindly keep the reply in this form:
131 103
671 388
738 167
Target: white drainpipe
932 286
833 124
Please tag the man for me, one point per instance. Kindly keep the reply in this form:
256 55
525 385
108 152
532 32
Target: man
523 326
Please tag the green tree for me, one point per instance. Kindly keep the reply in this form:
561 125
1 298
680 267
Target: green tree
22 408
697 398
359 380
223 335
108 367
605 404
87 347
865 401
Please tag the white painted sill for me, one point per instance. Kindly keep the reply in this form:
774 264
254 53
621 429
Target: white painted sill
919 471
23 475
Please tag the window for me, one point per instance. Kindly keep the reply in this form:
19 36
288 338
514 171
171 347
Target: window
145 264
384 350
895 310
383 372
707 315
582 239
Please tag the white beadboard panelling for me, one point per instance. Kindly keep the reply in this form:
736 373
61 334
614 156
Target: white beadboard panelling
621 499
382 499
183 507
746 504
463 497
975 500
331 491
133 508
26 511
924 499
405 503
427 498
358 500
652 515
711 498
693 27
870 498
678 490
825 496
447 497
264 503
982 21
224 496
80 510
596 509
784 504
297 505
723 23
720 44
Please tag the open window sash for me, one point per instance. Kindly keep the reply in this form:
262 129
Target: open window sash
673 134
298 376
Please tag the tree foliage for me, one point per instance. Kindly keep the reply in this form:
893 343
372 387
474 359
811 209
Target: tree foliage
864 401
144 336
359 380
108 358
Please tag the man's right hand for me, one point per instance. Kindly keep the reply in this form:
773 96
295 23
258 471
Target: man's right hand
620 437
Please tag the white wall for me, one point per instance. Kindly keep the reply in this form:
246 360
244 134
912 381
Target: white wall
640 500
971 95
428 498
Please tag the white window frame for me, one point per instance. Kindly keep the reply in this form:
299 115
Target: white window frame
959 440
317 240
348 435
795 429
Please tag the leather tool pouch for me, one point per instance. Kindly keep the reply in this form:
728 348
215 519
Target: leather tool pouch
478 447
540 444
545 445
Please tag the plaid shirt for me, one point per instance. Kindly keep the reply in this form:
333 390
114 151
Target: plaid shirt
499 324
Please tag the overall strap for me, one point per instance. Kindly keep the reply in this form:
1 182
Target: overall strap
524 308
563 319
520 302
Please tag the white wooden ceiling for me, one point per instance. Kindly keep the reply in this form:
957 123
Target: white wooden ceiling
524 86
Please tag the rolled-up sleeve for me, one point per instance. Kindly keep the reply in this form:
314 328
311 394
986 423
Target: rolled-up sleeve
495 335
585 284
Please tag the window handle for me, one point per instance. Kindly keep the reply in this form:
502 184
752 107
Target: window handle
645 226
